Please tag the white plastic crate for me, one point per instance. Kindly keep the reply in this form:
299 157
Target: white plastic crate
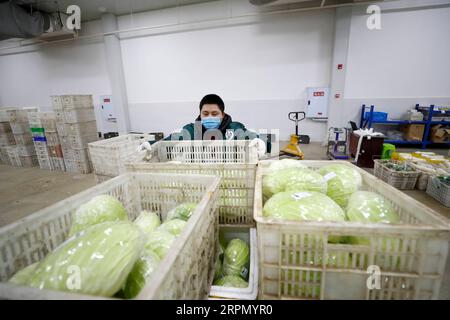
57 164
77 167
5 127
23 139
79 155
26 150
81 100
77 129
41 149
76 115
29 161
247 235
100 178
56 103
5 113
52 138
290 252
20 115
44 162
439 191
7 139
234 161
78 142
20 127
46 120
108 156
403 180
187 270
4 156
13 156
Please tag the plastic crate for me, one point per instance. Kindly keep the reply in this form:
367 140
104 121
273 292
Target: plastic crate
376 116
13 156
187 270
238 177
7 139
20 127
101 178
25 138
26 150
78 142
75 115
57 164
41 149
108 156
439 191
46 120
77 129
19 115
5 127
4 156
5 114
403 180
414 269
38 132
44 162
77 167
52 139
55 151
29 161
251 292
82 100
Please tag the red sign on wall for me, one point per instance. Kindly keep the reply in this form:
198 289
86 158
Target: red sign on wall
319 94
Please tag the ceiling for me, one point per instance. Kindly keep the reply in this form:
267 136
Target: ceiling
92 9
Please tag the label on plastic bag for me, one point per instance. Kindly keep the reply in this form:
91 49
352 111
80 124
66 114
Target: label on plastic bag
244 273
300 195
329 176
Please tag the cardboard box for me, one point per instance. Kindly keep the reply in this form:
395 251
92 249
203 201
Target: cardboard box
414 132
440 134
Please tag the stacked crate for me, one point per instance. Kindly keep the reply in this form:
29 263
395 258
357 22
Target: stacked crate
76 127
24 153
46 141
6 137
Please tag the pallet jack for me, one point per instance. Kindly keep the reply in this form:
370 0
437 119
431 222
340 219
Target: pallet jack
337 144
293 148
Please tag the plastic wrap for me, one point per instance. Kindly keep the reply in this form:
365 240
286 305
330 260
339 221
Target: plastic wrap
183 211
365 206
231 281
295 179
174 226
236 259
99 209
284 164
95 262
342 182
160 242
22 277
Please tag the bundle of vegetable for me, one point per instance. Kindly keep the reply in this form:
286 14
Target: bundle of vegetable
398 166
183 211
365 206
22 276
342 181
95 262
174 226
147 221
160 241
142 272
293 179
231 281
284 164
99 209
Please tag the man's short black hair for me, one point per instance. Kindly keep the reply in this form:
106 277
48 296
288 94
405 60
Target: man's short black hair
212 99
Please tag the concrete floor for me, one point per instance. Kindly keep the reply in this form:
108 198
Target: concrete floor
26 190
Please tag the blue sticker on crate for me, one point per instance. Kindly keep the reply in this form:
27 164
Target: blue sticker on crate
43 139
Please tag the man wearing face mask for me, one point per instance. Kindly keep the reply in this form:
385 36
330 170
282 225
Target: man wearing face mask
213 123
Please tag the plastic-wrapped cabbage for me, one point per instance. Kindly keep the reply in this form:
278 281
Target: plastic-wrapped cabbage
141 274
99 209
236 259
284 164
160 242
21 277
364 206
147 221
218 269
183 211
342 180
293 179
174 226
303 206
231 281
95 262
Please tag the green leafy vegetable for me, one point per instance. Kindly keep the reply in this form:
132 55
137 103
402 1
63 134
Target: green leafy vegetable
22 276
365 206
147 221
99 209
231 281
160 242
218 269
236 259
183 211
174 226
95 262
284 164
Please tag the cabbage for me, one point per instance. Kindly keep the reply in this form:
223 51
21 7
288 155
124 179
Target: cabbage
102 255
160 242
218 269
22 276
174 226
303 206
296 179
236 259
141 274
183 211
284 164
342 180
99 209
147 221
367 207
231 281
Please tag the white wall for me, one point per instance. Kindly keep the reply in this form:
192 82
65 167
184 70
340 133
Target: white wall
260 69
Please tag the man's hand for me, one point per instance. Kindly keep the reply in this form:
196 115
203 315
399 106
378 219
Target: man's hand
260 146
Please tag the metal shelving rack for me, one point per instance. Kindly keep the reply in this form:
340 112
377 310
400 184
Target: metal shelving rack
428 123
